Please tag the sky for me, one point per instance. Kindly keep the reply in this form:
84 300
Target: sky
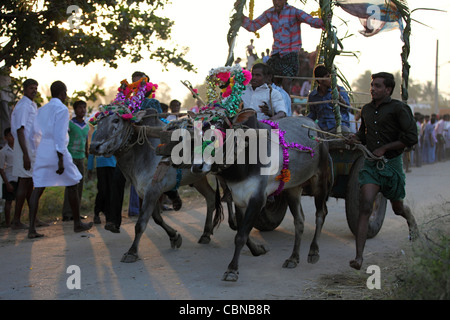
202 26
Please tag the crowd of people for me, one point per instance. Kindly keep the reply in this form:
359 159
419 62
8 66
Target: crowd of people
46 147
387 128
434 141
37 155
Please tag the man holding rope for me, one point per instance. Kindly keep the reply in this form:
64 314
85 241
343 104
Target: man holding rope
387 128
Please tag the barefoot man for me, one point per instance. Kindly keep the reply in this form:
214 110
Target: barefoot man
387 128
287 36
54 165
22 124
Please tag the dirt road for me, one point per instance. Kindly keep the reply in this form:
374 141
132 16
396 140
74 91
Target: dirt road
41 268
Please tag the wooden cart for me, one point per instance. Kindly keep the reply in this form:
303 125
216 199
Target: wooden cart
347 162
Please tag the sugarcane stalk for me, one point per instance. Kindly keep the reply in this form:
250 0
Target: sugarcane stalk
235 24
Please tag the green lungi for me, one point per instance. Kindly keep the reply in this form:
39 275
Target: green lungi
390 178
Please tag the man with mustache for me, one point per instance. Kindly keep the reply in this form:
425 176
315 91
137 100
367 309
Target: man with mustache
387 128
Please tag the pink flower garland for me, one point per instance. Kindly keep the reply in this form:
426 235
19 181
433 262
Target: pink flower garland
133 104
285 175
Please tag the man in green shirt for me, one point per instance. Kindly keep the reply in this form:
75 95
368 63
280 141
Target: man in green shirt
387 128
78 148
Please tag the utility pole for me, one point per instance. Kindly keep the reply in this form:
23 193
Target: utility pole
436 90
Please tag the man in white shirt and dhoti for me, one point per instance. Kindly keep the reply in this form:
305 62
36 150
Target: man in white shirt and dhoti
22 124
53 164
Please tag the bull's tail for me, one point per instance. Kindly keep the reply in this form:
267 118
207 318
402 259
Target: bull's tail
330 175
326 167
218 216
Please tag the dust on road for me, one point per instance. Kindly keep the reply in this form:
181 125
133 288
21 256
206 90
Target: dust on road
38 269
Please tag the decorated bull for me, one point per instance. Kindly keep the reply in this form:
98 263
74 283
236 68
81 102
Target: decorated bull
289 161
129 134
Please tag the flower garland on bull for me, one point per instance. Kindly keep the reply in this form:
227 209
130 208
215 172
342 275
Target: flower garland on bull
231 82
285 174
128 100
224 104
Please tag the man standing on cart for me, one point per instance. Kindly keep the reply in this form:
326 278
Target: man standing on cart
387 128
287 41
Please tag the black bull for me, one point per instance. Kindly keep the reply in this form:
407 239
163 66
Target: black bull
134 147
309 174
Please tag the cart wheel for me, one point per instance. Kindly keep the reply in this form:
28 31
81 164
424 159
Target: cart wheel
273 214
352 204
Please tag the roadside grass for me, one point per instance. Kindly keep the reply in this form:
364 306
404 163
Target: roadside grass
425 275
51 202
420 272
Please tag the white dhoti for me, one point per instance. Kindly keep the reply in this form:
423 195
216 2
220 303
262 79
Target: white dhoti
46 164
52 123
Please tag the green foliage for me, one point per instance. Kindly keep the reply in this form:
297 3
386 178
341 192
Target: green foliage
52 200
93 93
99 31
16 90
427 275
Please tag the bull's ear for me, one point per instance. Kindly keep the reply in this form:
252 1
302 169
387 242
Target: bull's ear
140 115
243 116
191 114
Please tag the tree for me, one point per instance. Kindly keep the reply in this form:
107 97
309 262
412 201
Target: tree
428 92
85 31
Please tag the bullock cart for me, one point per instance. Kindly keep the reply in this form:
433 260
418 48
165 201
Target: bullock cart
347 162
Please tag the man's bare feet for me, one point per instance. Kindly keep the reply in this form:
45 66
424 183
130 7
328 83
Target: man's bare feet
83 227
34 234
18 226
356 263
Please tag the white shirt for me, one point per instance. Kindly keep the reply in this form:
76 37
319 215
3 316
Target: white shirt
440 126
253 99
23 115
171 117
286 99
52 122
6 162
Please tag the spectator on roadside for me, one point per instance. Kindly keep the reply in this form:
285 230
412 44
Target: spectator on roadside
104 167
78 148
416 153
429 141
53 165
440 140
22 129
6 172
174 107
447 135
